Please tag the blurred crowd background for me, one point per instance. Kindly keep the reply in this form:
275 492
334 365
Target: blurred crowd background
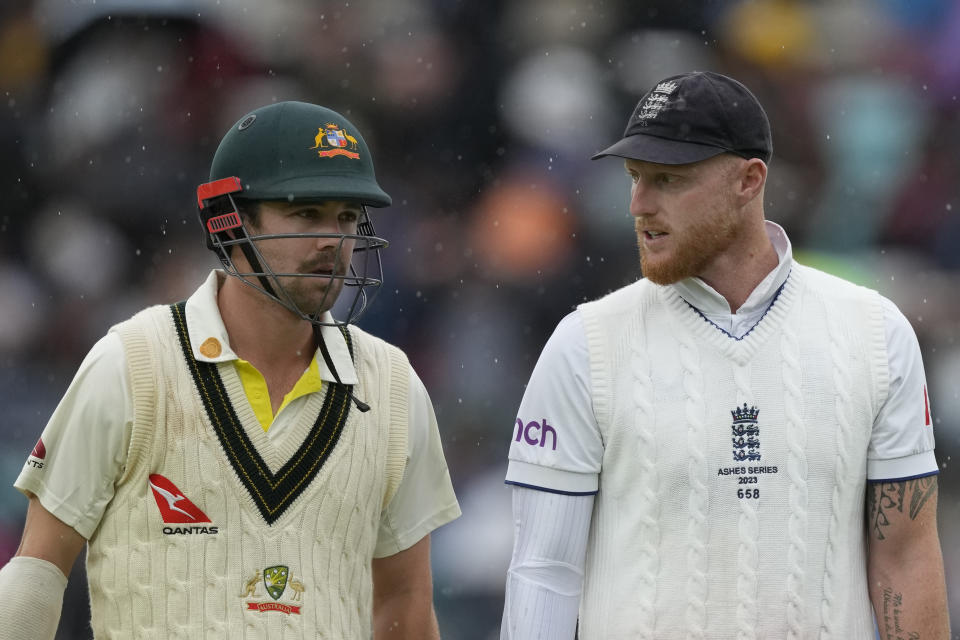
482 117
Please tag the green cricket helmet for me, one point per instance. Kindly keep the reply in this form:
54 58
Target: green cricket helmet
298 152
293 152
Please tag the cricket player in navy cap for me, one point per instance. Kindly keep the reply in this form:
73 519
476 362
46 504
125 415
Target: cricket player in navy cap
734 446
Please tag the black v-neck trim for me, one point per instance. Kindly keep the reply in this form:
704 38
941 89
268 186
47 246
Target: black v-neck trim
273 493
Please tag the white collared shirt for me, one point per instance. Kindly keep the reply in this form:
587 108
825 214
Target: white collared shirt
93 421
714 306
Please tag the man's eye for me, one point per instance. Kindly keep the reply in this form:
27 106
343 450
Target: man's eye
666 178
349 216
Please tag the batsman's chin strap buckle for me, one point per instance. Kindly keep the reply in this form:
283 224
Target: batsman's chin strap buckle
361 405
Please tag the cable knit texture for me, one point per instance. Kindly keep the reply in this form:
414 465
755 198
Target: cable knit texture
748 558
796 432
705 527
147 580
648 560
697 528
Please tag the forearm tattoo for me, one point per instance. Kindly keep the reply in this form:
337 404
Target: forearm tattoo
888 620
884 497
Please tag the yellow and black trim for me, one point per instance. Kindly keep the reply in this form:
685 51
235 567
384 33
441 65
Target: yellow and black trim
271 492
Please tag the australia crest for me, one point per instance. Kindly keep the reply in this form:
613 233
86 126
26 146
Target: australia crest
333 140
276 581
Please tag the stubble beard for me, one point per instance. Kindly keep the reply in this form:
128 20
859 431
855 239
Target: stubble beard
696 248
311 293
312 297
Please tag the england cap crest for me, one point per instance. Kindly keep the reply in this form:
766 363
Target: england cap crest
692 117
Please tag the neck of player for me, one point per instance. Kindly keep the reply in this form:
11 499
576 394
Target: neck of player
735 273
264 333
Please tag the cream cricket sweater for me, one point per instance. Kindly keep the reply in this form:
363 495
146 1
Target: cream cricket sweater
292 525
731 500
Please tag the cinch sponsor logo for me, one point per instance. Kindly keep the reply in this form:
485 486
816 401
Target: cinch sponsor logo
536 433
175 508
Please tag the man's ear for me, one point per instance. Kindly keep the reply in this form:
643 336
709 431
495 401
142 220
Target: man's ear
751 177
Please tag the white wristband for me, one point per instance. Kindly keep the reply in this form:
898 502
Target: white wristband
31 596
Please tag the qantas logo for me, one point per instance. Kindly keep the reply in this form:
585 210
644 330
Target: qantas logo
37 455
176 508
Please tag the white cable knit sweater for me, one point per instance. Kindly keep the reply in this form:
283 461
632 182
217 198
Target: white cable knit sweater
731 497
156 573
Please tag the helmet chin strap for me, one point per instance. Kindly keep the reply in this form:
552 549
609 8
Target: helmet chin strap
318 337
251 256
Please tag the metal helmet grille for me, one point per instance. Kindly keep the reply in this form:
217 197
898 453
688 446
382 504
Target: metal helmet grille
361 278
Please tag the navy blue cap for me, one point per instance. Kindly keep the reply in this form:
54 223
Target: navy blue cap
694 116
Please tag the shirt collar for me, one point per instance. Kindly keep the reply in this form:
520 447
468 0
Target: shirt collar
705 298
210 342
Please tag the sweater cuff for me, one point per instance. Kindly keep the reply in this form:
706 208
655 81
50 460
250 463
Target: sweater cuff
534 476
917 465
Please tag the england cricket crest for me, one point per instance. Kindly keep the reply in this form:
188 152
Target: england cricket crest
746 433
656 101
275 580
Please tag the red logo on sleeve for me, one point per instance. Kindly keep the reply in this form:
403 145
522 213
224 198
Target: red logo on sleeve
926 406
175 508
39 451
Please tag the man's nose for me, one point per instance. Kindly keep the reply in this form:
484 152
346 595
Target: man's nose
328 224
642 200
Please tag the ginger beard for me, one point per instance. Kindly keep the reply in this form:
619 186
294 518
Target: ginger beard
693 247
